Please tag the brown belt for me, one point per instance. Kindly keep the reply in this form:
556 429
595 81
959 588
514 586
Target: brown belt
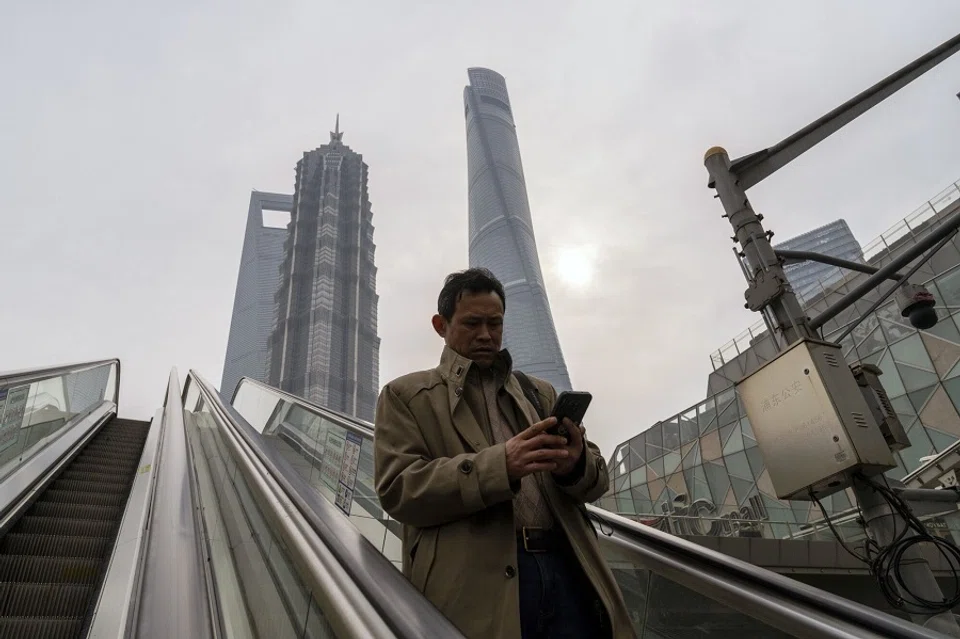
538 540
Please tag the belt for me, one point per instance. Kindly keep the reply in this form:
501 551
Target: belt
538 540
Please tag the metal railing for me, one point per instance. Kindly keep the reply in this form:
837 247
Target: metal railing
783 603
357 591
886 242
676 570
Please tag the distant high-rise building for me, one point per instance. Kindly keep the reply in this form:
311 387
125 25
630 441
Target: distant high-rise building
501 230
834 239
254 304
325 346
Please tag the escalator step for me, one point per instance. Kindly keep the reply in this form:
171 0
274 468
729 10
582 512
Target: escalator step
43 600
90 487
33 525
16 543
34 628
52 559
80 475
85 467
47 570
74 511
77 497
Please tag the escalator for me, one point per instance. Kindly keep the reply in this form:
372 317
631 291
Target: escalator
258 518
53 559
673 588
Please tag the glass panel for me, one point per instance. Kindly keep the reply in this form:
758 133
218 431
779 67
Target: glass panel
652 603
871 343
252 569
890 379
911 351
33 415
727 408
949 286
655 442
706 413
325 448
671 432
914 378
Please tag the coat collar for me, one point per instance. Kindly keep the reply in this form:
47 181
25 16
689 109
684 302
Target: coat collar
454 367
453 370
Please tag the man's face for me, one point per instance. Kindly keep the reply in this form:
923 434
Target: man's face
476 329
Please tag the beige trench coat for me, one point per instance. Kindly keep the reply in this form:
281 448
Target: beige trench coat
437 474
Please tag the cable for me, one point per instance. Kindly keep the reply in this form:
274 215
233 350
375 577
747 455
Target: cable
835 532
885 562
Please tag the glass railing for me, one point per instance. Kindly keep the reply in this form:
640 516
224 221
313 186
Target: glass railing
298 546
332 453
36 406
259 590
673 588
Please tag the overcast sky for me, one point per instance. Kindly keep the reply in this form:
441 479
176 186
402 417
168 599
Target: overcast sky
130 140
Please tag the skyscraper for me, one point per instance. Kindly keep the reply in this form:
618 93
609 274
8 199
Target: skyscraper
501 230
324 346
254 304
834 239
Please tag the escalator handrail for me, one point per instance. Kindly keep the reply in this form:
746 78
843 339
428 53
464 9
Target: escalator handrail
350 612
353 424
407 612
694 554
29 376
648 541
174 592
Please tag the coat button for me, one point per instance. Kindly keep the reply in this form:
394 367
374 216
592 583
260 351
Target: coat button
466 466
458 391
510 572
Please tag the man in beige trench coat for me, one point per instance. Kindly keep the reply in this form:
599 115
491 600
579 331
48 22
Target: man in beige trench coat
494 533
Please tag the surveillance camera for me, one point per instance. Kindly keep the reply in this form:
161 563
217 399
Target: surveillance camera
917 304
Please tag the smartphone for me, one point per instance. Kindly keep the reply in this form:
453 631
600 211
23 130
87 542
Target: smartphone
572 405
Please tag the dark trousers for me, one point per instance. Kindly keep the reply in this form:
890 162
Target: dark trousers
557 601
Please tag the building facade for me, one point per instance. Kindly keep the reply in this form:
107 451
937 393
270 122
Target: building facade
258 280
501 228
325 346
700 472
836 240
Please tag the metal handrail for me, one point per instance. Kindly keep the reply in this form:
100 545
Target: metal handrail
784 603
28 376
173 596
779 601
350 423
333 581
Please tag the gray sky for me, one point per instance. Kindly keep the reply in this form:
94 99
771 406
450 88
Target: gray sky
130 140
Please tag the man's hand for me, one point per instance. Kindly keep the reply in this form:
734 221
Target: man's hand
574 448
534 451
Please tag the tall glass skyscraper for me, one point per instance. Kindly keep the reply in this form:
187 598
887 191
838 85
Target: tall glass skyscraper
254 304
325 346
809 279
501 229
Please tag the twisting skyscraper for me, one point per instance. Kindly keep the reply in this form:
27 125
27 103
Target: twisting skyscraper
324 345
501 230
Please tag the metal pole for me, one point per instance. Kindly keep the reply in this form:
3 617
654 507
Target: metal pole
885 527
759 257
754 168
767 291
947 228
809 256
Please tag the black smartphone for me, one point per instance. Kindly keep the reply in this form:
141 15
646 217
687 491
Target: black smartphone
572 405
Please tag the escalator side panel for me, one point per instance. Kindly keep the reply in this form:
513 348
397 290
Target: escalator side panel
53 558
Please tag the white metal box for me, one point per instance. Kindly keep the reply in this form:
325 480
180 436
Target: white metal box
812 438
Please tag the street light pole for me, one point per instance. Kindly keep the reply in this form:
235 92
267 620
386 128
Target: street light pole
769 291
